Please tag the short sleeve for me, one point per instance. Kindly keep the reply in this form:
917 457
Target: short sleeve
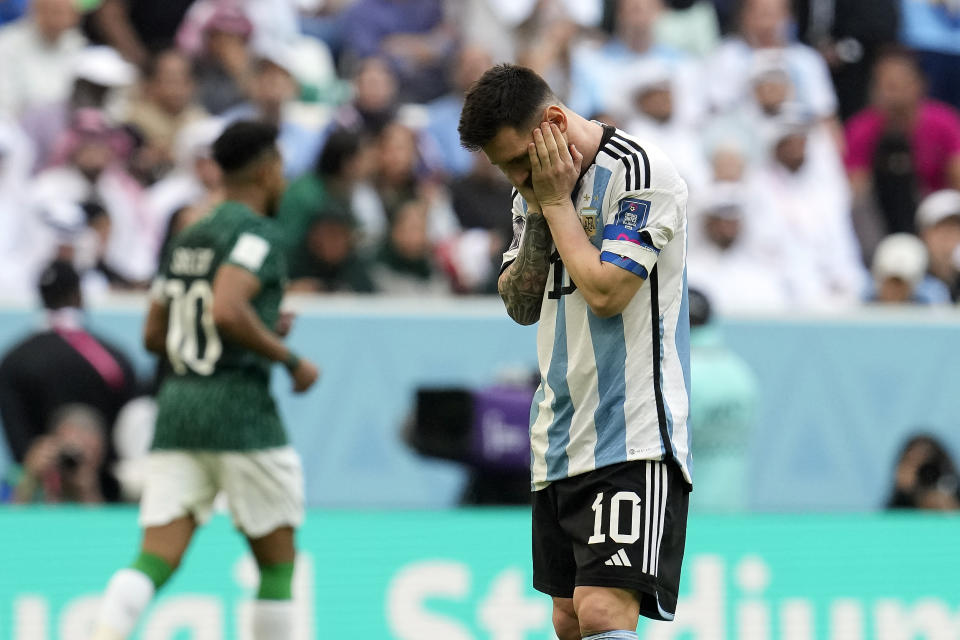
637 226
519 215
258 253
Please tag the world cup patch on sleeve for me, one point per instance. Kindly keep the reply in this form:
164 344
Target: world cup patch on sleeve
633 213
250 251
629 223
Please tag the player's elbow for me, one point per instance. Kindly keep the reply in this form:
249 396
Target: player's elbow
606 305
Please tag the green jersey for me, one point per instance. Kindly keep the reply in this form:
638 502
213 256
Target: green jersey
217 395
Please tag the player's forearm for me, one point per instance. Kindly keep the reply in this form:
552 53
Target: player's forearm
240 324
522 284
598 282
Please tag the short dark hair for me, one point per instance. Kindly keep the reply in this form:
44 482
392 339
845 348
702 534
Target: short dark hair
506 95
242 143
59 285
342 145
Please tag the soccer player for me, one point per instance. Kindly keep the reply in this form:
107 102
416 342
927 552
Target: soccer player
598 258
212 308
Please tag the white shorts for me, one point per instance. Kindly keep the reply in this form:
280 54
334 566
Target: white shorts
263 488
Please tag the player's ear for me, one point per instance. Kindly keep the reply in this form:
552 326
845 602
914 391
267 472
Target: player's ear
554 114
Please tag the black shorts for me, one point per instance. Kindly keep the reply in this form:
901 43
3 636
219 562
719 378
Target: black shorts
619 526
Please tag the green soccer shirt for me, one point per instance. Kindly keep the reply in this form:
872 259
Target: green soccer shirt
217 395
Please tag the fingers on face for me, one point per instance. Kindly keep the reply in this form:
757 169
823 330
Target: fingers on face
550 142
534 157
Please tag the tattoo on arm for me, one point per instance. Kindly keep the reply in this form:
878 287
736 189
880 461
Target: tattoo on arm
522 284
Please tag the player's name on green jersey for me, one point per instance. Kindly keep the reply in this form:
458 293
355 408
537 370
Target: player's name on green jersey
191 262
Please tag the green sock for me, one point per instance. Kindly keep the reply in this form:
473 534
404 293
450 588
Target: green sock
154 567
276 581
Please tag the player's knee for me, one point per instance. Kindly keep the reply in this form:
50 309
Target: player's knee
599 610
565 621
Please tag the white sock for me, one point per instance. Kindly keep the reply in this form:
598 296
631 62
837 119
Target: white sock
128 594
272 620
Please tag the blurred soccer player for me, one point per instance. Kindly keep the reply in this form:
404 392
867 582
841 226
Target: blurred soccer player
598 258
213 308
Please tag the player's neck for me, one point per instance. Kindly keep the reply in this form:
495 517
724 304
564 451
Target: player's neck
586 136
251 196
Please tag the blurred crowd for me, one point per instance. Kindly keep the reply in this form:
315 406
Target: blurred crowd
820 140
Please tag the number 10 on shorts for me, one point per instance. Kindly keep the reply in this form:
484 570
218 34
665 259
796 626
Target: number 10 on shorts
620 500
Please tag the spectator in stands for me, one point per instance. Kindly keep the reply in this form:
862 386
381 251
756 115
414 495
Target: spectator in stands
192 189
411 34
649 112
341 173
137 28
60 365
932 29
98 75
91 168
274 23
900 273
67 464
165 104
404 264
689 25
925 477
902 147
598 73
803 202
444 112
849 35
374 103
224 65
764 25
328 260
37 51
725 259
478 196
402 175
272 88
938 223
16 162
724 403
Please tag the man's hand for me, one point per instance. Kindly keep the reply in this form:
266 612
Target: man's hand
285 323
304 375
41 457
554 165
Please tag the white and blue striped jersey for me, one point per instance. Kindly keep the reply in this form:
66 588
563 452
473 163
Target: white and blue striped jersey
616 389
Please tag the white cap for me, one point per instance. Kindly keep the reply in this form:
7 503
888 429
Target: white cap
277 54
769 64
103 66
938 206
900 255
723 200
65 218
196 140
646 75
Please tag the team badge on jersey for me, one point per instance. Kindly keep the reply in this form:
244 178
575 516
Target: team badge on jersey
588 218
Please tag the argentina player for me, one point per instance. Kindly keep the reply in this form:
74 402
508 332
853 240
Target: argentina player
598 258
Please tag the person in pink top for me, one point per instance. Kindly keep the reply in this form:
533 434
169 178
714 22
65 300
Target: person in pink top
902 147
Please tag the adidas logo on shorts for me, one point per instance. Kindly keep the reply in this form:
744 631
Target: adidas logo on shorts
619 559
